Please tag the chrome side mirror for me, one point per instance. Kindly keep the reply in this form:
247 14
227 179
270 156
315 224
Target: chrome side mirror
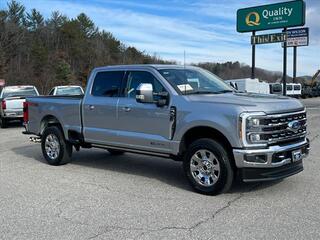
144 93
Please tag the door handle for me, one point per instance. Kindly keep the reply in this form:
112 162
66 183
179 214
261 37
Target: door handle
126 109
91 107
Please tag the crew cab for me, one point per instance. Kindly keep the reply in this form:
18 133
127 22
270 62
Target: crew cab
179 112
66 90
12 99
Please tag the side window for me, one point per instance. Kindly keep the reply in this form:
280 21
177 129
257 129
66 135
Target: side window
135 78
107 84
51 92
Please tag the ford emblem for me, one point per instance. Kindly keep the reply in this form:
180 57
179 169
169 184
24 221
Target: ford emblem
294 126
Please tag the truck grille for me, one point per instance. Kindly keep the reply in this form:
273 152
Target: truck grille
284 127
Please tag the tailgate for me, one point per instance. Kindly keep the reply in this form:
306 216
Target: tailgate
15 103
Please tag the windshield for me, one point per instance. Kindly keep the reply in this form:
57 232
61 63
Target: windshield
277 88
195 81
69 91
19 92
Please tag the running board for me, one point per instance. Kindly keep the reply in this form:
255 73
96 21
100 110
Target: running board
133 150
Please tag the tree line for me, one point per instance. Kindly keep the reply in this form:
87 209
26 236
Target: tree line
61 50
58 50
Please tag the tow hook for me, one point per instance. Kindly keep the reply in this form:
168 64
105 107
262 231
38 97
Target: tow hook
35 139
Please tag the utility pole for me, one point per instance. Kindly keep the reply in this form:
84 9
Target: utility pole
294 64
284 77
253 64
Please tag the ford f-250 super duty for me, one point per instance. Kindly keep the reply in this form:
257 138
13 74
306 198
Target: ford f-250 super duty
184 113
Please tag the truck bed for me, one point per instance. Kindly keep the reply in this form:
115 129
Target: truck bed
67 110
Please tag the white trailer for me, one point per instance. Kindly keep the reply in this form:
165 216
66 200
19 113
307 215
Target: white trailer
249 85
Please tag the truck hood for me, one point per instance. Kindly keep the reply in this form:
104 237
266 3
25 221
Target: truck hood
268 103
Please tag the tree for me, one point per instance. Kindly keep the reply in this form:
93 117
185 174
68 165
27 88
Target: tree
16 13
34 20
63 73
87 27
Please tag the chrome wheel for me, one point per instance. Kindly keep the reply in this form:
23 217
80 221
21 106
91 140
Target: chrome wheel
205 168
52 146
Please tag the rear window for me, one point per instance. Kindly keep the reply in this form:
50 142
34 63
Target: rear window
107 84
296 87
19 92
69 91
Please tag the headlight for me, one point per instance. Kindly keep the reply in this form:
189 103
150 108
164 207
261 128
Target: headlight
251 128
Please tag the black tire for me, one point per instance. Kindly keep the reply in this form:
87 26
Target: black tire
226 174
3 123
65 152
115 152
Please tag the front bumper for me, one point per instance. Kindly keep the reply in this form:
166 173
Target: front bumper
278 161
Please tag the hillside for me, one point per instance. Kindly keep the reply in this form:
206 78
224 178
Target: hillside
60 50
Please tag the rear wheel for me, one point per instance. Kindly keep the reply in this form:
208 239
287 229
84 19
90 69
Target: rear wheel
207 167
115 152
3 122
55 149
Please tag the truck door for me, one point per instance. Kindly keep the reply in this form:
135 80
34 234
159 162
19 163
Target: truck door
100 108
143 126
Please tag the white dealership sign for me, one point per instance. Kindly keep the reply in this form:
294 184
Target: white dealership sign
298 37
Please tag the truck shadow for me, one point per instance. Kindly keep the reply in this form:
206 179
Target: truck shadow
165 170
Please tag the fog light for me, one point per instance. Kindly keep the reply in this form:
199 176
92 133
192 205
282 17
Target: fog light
255 137
256 158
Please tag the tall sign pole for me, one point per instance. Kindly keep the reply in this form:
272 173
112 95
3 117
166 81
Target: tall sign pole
284 77
297 37
253 65
294 64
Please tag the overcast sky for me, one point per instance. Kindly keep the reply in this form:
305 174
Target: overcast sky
205 29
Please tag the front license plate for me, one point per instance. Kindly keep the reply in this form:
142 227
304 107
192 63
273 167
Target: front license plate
296 155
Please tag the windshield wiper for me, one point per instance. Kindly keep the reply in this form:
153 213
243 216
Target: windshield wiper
208 92
224 91
200 92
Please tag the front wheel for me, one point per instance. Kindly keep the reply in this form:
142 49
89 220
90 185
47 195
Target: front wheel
207 167
55 149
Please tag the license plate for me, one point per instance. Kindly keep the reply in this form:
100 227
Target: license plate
296 155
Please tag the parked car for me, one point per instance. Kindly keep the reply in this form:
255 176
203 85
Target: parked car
294 89
183 113
276 88
12 99
66 90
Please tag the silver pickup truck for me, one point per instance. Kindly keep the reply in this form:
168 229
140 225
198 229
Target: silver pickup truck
184 113
12 99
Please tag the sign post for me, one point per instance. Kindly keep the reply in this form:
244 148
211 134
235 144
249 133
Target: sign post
272 16
297 37
284 77
253 64
294 64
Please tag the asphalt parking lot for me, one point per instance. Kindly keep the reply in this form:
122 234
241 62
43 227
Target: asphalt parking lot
99 196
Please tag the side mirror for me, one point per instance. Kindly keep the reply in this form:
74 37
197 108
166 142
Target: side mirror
144 93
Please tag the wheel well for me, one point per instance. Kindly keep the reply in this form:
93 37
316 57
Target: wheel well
205 132
48 121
